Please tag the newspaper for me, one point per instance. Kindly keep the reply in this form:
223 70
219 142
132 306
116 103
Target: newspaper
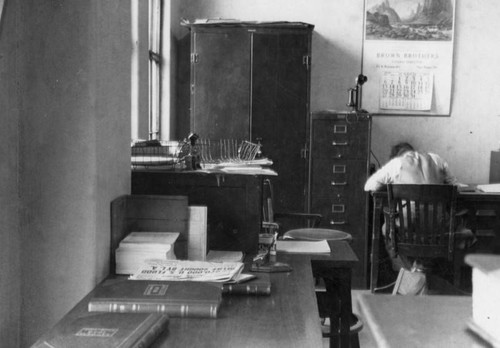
181 270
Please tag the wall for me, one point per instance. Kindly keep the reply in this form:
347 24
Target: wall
65 96
465 138
10 299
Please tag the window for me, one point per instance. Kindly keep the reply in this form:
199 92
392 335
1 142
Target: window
155 68
150 68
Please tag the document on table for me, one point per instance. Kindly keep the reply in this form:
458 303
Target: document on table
303 247
183 270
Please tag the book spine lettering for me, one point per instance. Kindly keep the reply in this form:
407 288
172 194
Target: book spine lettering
240 289
173 310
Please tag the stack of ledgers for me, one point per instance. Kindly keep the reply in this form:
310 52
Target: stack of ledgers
138 247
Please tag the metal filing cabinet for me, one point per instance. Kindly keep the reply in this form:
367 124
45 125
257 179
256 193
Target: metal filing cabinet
339 167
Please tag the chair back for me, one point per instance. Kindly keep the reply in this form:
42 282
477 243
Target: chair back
422 219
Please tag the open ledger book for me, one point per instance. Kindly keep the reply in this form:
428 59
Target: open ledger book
181 270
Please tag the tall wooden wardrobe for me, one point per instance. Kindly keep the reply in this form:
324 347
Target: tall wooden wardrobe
251 81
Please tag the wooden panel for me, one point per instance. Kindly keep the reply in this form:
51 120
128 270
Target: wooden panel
280 114
233 201
220 77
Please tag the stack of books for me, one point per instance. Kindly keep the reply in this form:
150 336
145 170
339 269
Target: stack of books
138 247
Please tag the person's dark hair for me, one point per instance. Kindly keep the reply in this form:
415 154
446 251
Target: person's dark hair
400 148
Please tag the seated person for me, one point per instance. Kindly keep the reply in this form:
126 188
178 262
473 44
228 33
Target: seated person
408 166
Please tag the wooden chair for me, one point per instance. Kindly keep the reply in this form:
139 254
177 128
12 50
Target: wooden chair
422 221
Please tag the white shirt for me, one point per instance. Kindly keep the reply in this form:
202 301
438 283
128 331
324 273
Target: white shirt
412 167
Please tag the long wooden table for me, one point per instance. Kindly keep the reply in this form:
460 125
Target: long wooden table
419 321
289 317
483 218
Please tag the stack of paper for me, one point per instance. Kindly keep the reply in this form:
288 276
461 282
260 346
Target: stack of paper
137 247
182 270
302 247
489 188
485 300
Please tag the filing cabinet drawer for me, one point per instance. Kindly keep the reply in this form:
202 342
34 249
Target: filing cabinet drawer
332 176
340 138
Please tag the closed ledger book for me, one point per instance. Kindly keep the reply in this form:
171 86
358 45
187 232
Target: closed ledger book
260 285
175 298
105 330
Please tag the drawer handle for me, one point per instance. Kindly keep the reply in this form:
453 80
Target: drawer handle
337 222
334 143
339 183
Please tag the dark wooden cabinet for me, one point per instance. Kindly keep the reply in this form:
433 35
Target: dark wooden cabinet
339 167
251 81
234 202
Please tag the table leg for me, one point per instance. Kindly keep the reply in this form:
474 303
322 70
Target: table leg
338 288
375 252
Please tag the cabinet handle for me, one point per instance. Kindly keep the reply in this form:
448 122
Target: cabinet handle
337 222
345 143
339 183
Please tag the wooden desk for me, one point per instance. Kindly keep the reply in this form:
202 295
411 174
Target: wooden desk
287 318
336 270
419 321
483 218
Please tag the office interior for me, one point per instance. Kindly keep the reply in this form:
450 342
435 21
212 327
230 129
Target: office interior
65 91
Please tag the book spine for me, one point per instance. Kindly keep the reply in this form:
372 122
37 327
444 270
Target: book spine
173 310
242 289
154 331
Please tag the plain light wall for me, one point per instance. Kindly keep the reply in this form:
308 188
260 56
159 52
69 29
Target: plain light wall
465 138
10 280
65 129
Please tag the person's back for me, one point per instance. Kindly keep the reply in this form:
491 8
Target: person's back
420 168
408 166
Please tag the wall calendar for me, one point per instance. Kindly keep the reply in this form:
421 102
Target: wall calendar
408 56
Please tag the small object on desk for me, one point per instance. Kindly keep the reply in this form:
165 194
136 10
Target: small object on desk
271 267
489 188
177 299
105 330
224 256
137 247
303 247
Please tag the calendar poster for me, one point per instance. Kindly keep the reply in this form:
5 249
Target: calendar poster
408 56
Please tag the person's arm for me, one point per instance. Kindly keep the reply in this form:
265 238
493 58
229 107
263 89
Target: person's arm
448 177
383 176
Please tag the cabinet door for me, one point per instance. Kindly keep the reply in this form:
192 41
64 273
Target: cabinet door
220 84
280 111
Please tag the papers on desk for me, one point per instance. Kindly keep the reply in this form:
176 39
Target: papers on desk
302 247
181 270
490 188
